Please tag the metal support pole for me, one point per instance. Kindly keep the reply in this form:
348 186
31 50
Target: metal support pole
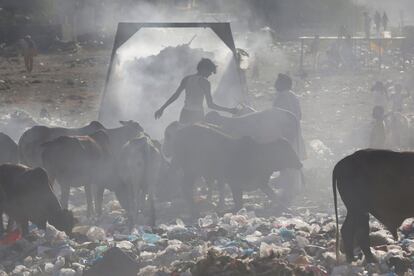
380 53
301 54
402 50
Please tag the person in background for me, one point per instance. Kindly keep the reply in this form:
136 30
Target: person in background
197 88
289 180
377 136
285 98
343 32
314 51
385 21
367 25
29 51
397 98
347 54
380 94
377 21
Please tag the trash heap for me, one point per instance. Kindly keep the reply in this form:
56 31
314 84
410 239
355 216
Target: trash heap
168 67
232 244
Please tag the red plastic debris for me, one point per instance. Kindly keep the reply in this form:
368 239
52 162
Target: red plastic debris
11 237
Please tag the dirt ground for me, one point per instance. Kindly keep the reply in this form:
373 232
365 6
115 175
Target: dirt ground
64 90
67 85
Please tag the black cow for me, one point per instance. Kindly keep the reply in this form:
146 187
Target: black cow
9 152
26 195
202 151
376 182
30 142
87 161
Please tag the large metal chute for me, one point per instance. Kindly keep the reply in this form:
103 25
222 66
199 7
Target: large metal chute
127 30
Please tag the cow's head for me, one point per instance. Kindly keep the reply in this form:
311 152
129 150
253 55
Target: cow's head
132 124
95 126
64 220
169 136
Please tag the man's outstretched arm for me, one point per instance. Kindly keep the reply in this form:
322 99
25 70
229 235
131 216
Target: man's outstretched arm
212 105
172 99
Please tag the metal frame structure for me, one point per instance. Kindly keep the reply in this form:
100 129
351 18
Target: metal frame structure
126 30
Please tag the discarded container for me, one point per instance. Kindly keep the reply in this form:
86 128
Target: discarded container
96 234
150 238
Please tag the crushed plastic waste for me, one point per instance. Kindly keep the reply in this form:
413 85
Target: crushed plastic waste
230 244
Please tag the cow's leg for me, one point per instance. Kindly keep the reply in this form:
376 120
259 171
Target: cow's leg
141 204
289 183
25 227
89 200
362 221
188 185
10 224
221 189
98 200
1 221
268 191
237 192
152 218
210 184
348 233
65 190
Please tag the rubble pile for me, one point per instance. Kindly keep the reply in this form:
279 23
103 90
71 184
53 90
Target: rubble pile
168 66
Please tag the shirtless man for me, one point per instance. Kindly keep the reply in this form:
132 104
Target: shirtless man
197 87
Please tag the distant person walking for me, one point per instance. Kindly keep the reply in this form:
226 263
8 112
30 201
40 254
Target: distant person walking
314 51
197 88
377 21
380 94
29 51
377 136
397 98
385 21
347 54
367 25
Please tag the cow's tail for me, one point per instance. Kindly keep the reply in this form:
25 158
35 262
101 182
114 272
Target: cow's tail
334 184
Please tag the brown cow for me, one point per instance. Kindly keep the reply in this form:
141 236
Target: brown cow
26 195
72 161
30 142
76 161
139 167
376 182
119 136
8 150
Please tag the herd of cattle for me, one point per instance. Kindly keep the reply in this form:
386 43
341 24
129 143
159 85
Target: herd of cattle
241 152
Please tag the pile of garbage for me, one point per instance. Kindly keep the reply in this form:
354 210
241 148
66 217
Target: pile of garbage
232 244
169 66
